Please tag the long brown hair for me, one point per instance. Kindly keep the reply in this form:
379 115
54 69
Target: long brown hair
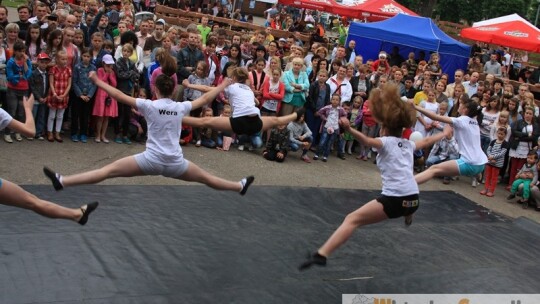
388 109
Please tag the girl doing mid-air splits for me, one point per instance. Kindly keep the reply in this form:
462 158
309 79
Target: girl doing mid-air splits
246 117
467 133
399 195
163 155
13 195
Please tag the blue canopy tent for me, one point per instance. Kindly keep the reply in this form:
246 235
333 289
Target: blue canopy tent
410 34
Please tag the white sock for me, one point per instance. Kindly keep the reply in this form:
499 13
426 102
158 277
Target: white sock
243 183
60 178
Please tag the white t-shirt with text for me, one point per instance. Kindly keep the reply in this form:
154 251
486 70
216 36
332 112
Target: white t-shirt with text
164 118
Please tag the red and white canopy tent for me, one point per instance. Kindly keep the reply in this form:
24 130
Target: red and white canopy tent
370 10
512 31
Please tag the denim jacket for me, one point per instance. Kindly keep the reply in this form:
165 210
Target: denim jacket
81 82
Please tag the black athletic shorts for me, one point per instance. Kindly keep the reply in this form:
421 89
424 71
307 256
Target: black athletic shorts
246 125
396 206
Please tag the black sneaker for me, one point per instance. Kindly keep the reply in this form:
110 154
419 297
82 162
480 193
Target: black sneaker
245 187
525 204
86 212
54 179
511 196
313 259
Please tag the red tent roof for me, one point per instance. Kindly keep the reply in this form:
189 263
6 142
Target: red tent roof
371 10
512 31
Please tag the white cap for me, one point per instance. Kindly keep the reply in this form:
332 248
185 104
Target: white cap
161 21
107 59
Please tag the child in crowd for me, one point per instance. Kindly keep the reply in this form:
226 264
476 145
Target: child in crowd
528 176
300 137
445 149
496 152
277 144
400 194
105 106
318 97
330 116
138 127
273 91
368 128
19 71
490 115
258 77
437 126
353 114
198 77
84 91
39 86
434 67
502 122
207 136
60 85
127 77
227 111
34 43
54 45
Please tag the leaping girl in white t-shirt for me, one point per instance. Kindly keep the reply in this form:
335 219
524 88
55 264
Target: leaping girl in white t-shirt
467 133
163 155
399 195
246 117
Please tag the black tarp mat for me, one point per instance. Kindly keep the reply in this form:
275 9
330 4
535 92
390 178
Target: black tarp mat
192 244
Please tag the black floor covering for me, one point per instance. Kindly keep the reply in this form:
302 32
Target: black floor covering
192 244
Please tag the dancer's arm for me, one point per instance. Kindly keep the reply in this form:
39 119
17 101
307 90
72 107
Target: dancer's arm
368 141
112 91
434 116
210 95
196 87
28 128
431 140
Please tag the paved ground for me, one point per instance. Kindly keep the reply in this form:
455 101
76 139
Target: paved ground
22 163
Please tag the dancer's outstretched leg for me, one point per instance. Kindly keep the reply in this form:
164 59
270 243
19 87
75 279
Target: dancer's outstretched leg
370 213
13 195
195 173
447 168
273 121
125 167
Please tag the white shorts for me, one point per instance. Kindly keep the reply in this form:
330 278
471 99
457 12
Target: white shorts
152 168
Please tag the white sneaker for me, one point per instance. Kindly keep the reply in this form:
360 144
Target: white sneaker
250 148
18 137
241 147
474 182
7 138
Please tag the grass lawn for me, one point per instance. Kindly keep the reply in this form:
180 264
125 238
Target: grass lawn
14 3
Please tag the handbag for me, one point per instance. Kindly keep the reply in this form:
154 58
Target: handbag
108 101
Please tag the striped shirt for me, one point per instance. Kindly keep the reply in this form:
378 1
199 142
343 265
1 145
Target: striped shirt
497 151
